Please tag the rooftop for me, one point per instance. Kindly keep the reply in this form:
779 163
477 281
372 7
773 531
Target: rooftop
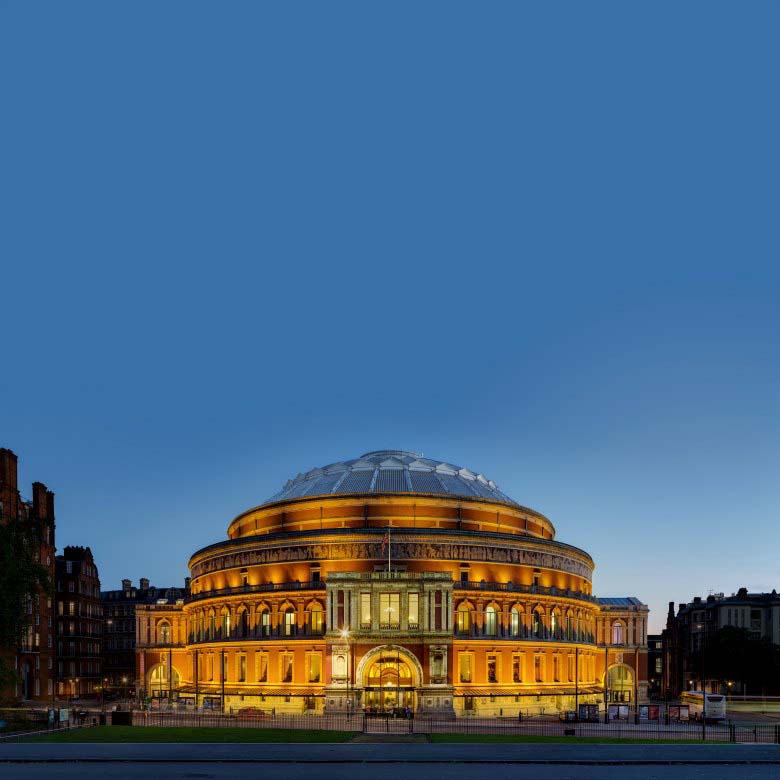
392 471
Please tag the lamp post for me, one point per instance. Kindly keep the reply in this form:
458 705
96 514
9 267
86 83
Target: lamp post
124 687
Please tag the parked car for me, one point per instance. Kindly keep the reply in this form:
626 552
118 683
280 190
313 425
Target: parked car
252 712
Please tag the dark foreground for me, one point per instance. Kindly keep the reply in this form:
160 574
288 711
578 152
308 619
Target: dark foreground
353 761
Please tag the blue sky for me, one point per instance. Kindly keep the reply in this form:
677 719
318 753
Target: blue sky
538 240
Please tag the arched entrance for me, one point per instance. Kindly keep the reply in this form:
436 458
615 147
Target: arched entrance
620 684
158 681
389 676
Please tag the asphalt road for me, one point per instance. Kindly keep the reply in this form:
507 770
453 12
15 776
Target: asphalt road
412 771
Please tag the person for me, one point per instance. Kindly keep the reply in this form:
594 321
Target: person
408 712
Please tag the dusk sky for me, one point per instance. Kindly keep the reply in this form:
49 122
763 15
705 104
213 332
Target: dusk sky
538 240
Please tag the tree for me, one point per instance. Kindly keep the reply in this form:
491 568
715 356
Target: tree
21 578
733 654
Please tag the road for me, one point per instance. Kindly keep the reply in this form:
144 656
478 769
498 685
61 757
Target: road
412 771
352 760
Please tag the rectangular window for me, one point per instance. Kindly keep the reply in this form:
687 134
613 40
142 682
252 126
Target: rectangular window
465 663
556 668
538 669
492 669
365 610
659 665
261 661
287 667
414 610
517 668
389 610
315 667
572 665
210 667
241 668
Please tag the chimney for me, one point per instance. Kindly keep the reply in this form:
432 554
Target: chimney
126 584
187 581
144 583
8 469
40 500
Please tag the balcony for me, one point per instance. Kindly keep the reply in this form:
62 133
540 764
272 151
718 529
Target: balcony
266 587
524 634
257 634
538 590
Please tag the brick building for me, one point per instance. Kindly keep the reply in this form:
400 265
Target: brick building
688 632
34 659
79 625
119 608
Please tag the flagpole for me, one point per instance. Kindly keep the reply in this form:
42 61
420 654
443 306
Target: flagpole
388 549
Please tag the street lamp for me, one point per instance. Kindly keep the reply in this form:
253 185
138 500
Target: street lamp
124 687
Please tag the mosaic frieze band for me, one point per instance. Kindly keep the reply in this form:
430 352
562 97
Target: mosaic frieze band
401 550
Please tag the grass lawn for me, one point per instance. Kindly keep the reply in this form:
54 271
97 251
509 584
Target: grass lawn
187 734
492 738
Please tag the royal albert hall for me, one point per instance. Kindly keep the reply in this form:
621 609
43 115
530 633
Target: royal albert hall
388 581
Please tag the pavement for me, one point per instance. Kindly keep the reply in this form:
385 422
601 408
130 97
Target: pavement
390 754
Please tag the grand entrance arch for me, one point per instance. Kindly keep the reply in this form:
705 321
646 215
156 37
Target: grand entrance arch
389 676
159 684
620 683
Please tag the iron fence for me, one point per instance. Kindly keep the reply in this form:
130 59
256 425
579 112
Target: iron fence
398 723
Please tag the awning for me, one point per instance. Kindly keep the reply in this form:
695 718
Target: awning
235 691
506 693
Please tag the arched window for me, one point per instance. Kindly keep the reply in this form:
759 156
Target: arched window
315 619
570 627
243 623
264 622
163 632
491 621
225 623
212 624
514 622
617 633
464 619
289 621
554 623
537 625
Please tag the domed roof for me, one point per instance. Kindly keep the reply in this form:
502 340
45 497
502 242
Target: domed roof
391 471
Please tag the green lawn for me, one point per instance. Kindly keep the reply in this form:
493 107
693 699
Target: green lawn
186 734
490 738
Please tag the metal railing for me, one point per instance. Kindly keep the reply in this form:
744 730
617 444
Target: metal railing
513 587
266 587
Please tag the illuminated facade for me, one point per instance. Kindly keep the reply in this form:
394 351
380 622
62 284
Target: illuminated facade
387 581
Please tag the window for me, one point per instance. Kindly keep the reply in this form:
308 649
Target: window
492 668
554 622
287 667
389 610
556 668
241 668
514 622
315 667
265 623
465 667
414 606
537 625
289 621
572 667
225 623
464 619
261 661
538 669
315 619
165 633
365 610
517 668
659 665
491 621
617 633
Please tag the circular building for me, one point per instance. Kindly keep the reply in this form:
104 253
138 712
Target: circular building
386 581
